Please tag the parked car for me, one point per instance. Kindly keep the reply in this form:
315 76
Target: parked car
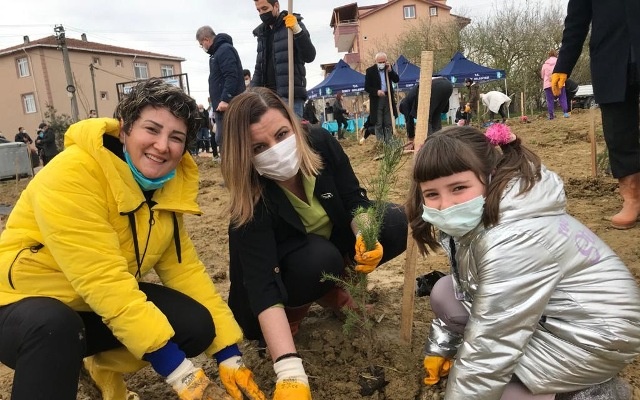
584 97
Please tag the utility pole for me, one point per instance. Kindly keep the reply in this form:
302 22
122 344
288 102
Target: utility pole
93 83
71 89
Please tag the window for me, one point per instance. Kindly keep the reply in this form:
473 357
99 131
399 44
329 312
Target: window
409 12
23 67
166 70
96 61
104 95
119 63
433 11
29 103
140 70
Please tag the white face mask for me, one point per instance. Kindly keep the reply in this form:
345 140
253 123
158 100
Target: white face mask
280 162
456 220
382 65
247 82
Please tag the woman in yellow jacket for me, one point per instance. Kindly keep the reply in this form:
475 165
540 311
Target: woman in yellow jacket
100 216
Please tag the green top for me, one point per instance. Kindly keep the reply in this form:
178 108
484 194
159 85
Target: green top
312 215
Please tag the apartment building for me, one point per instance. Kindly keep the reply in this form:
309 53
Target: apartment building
363 31
33 76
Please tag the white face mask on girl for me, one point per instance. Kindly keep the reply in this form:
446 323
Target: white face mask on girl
456 220
280 162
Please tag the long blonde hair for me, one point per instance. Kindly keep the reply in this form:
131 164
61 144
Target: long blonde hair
240 177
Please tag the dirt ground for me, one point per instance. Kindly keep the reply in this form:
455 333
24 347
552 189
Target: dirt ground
332 360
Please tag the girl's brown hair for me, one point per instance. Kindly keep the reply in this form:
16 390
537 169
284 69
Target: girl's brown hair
460 149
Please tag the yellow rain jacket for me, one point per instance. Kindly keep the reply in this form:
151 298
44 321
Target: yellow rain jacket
70 237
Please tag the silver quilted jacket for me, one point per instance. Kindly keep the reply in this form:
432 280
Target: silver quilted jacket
548 300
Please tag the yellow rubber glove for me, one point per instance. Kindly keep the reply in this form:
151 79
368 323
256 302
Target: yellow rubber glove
291 22
436 367
367 260
190 383
558 79
292 383
238 380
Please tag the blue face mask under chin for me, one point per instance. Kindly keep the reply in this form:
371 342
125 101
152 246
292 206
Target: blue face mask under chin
144 182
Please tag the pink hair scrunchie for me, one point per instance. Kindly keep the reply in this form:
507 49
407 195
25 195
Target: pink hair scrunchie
499 134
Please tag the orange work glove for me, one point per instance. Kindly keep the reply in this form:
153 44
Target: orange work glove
238 380
367 260
436 367
292 383
291 22
558 80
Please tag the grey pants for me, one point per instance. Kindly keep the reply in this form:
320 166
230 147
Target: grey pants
450 310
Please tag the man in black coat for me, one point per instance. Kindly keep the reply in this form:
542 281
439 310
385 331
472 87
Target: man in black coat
272 61
226 79
47 143
441 90
615 72
375 83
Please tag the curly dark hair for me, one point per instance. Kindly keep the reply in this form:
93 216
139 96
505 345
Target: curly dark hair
159 94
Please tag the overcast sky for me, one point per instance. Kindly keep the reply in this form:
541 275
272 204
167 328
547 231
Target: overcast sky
169 27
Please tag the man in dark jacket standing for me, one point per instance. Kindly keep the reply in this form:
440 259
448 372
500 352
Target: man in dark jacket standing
375 83
614 49
47 142
226 79
272 61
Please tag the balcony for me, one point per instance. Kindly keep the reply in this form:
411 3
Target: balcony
344 35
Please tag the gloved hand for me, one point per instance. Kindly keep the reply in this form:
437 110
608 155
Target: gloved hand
558 80
436 367
190 383
291 22
292 383
238 379
367 260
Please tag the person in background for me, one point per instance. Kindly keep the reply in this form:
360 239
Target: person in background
473 99
292 199
497 103
47 142
545 74
536 306
375 83
85 232
204 130
310 112
615 73
571 88
441 90
93 114
23 136
340 113
247 78
212 137
272 70
225 73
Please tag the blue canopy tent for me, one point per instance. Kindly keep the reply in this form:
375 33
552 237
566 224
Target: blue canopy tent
459 69
409 73
343 78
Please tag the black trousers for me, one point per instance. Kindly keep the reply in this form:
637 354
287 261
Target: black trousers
620 123
342 121
302 269
44 340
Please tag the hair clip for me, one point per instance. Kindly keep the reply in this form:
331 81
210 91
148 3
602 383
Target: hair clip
499 134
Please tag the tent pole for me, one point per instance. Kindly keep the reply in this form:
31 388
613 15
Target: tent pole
506 91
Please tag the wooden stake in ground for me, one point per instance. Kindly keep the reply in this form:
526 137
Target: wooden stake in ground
408 290
592 139
390 99
521 104
290 59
